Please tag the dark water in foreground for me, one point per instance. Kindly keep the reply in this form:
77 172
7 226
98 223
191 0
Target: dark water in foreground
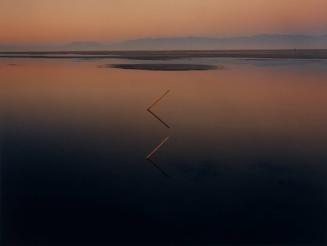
246 155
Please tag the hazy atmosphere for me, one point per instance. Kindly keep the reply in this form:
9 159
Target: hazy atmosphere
42 23
163 122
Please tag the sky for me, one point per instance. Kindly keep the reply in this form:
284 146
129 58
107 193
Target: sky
45 21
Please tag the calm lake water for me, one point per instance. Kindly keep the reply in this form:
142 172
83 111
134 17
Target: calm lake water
245 161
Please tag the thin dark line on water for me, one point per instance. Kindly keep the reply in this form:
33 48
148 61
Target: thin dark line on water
159 99
158 168
158 118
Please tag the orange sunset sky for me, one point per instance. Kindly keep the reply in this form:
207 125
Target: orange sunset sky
114 20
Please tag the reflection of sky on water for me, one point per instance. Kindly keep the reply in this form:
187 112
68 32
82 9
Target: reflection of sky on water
246 154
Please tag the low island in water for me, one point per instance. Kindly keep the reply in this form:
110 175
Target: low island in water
165 67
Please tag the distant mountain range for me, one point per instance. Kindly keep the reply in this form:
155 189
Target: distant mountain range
263 41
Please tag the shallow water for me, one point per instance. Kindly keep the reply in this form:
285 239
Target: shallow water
245 159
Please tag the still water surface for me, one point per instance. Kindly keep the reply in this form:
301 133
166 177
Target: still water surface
246 155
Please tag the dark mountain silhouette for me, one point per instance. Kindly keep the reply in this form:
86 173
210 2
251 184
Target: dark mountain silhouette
262 41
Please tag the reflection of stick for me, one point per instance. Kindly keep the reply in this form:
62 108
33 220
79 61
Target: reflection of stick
153 104
159 168
157 148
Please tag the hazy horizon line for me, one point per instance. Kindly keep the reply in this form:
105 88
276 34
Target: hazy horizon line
317 35
255 41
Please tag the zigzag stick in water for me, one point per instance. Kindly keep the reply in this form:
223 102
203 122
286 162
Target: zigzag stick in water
148 157
153 104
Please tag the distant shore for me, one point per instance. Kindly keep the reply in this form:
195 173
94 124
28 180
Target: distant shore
169 55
